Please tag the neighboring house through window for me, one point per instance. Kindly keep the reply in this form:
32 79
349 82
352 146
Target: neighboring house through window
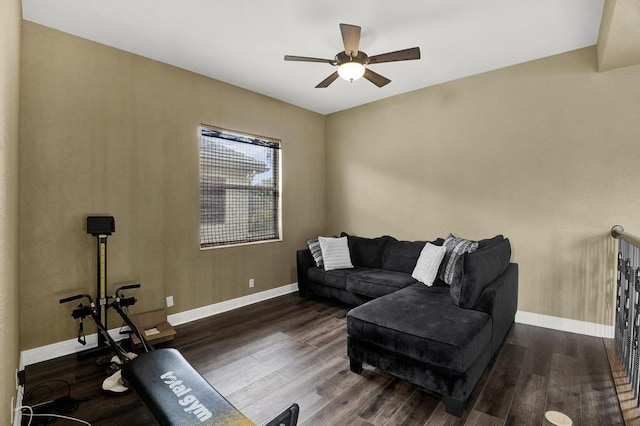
239 188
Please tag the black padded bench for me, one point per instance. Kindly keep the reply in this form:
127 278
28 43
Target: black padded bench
176 394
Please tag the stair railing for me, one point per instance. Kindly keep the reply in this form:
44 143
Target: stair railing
627 327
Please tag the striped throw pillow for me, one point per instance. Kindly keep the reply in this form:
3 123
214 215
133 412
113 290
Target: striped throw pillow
316 251
456 247
335 253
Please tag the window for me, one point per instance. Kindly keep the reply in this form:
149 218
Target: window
239 188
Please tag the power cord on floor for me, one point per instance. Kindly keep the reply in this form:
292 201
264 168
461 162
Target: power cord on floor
45 409
27 396
59 416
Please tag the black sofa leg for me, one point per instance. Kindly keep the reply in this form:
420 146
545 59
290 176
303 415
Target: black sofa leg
454 406
355 365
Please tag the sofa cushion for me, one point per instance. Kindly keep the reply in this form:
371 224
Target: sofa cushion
428 263
477 270
456 247
401 256
335 253
336 278
377 282
421 323
366 252
490 241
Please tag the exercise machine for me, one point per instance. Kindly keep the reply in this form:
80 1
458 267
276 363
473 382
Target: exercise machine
113 383
173 391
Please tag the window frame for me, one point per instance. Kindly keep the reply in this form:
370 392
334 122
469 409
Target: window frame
277 151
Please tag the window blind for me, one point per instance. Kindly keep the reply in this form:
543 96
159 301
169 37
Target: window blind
239 188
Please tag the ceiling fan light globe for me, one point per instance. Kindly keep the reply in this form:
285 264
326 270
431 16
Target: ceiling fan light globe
351 71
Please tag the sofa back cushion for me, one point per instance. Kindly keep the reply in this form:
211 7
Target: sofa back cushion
401 256
366 252
490 241
477 270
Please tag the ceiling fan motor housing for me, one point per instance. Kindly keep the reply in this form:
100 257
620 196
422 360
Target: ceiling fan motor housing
360 58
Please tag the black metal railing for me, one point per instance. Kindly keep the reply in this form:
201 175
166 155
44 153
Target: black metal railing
627 327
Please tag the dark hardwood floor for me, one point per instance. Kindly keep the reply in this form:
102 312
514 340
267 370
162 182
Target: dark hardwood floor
266 356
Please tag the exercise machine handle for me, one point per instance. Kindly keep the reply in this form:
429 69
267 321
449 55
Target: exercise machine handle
127 287
72 298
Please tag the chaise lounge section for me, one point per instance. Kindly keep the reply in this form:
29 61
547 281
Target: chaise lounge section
440 337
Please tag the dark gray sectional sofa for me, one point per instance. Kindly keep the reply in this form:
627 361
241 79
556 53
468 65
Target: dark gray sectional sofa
441 337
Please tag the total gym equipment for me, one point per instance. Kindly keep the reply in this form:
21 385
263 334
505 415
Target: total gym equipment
173 391
113 383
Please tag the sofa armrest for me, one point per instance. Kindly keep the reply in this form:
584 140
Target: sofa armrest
304 261
500 300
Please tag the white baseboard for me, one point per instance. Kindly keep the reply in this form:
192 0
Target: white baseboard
55 350
67 347
565 324
17 413
229 305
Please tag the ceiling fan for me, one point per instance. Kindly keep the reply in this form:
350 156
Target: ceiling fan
352 62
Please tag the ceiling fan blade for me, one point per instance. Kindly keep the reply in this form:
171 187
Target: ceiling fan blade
327 81
350 38
376 78
307 59
398 55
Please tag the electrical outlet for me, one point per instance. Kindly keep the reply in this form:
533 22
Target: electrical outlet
169 301
251 283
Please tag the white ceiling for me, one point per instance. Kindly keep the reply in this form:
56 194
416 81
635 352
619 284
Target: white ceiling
243 42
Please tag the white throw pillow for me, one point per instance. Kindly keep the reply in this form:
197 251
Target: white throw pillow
335 253
428 263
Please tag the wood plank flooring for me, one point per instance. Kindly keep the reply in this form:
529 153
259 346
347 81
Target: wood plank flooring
266 356
630 411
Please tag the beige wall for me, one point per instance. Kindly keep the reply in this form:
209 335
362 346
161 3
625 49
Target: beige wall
619 35
544 152
10 22
108 132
